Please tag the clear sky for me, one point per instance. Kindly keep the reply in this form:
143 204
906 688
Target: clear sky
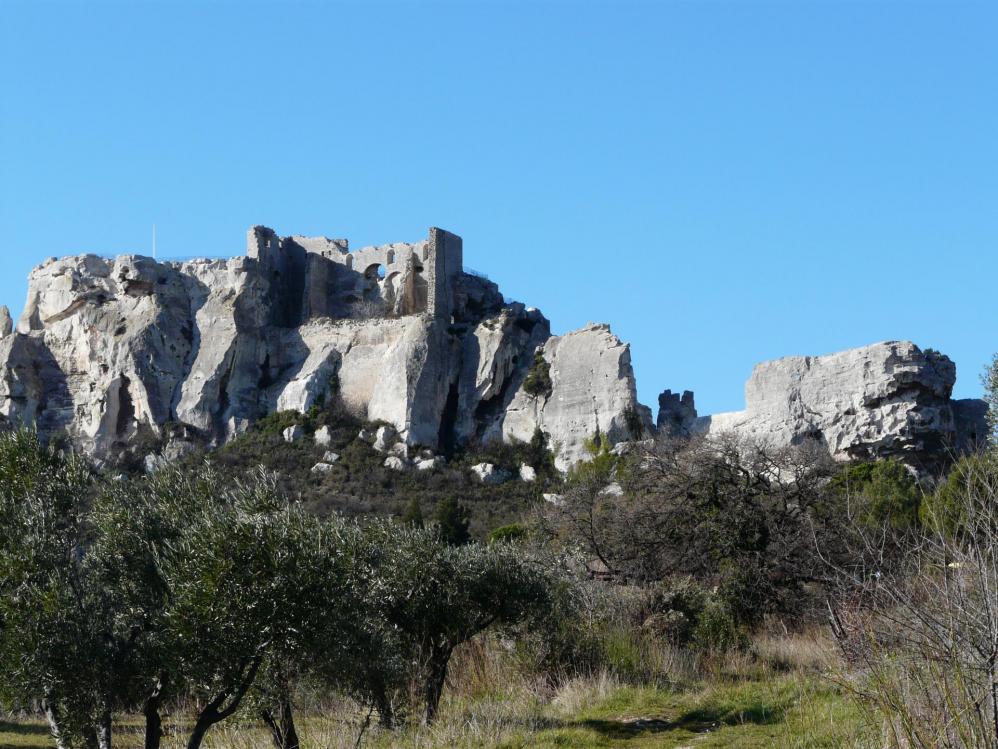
723 182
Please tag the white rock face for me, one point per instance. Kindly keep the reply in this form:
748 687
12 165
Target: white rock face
888 399
495 357
592 389
110 352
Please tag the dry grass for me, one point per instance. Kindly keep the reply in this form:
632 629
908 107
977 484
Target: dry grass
773 695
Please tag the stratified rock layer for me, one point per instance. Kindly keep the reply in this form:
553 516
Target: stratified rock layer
131 356
890 399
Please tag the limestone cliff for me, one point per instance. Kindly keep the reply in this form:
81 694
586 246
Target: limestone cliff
131 355
889 399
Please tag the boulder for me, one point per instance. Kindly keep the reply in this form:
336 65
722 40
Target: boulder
401 449
429 464
154 463
322 468
384 438
294 433
489 474
396 463
323 436
330 457
527 473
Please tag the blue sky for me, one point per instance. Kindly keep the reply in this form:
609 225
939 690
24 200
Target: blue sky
723 182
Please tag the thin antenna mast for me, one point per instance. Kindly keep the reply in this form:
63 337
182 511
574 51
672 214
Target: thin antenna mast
154 241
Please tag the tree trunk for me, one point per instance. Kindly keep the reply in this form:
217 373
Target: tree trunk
90 738
435 679
154 723
282 727
386 714
200 729
53 721
214 712
104 732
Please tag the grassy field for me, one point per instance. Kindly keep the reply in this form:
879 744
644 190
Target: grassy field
780 696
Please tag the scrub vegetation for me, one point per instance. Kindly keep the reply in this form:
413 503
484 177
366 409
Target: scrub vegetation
691 593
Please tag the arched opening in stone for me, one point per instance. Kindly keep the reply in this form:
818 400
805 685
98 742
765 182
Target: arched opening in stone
390 257
374 276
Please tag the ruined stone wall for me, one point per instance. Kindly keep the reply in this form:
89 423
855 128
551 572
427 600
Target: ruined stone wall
319 277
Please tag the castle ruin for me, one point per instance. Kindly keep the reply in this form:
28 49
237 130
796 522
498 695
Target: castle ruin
319 277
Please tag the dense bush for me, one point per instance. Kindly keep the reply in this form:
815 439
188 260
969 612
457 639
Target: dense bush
880 492
734 515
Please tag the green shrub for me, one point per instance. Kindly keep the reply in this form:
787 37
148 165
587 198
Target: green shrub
508 534
674 609
538 381
972 476
885 490
716 629
413 515
453 520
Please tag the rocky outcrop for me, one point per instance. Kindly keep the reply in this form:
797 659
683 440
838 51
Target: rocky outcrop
886 400
130 356
677 414
592 391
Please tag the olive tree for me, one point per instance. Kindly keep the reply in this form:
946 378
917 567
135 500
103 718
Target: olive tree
59 637
438 596
237 598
